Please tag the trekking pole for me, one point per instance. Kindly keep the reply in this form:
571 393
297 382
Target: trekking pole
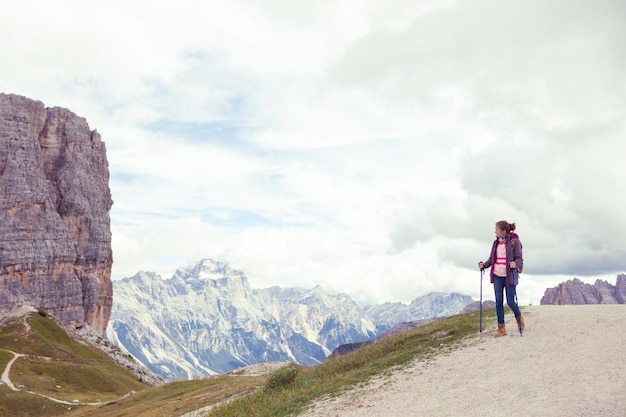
519 318
481 299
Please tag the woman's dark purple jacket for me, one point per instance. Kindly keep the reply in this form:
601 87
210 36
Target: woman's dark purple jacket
513 253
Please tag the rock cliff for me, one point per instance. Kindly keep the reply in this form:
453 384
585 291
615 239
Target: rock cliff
55 235
577 292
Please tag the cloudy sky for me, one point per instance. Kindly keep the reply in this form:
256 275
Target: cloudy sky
364 146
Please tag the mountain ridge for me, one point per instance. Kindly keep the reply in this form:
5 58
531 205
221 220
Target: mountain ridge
206 319
575 291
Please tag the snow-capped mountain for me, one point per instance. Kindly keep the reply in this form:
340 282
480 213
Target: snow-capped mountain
206 320
431 305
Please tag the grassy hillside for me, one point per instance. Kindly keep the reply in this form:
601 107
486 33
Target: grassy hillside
80 372
291 392
58 366
177 398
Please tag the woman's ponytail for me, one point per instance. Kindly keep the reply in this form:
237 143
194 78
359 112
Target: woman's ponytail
506 226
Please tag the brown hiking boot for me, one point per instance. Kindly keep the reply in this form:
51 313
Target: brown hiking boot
501 331
520 323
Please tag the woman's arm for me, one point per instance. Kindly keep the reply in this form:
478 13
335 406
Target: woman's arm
518 261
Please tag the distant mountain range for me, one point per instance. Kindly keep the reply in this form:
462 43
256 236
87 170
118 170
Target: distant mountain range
207 320
575 291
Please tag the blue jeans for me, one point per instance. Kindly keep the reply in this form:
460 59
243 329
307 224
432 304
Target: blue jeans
499 284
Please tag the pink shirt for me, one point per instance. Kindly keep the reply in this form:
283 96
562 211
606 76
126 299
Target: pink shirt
499 267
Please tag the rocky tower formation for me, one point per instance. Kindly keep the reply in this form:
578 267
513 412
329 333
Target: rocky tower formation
577 292
55 234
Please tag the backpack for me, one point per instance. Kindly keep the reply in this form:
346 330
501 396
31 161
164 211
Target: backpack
514 238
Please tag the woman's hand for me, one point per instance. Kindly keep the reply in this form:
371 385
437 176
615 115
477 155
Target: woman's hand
512 265
481 265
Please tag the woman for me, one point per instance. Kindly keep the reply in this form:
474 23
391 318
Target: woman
505 258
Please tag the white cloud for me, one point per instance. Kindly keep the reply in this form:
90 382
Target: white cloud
362 146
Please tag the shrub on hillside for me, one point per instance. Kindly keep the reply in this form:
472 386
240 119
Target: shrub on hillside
282 377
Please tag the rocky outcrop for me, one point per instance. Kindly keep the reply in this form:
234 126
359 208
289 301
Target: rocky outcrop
577 292
347 348
620 289
55 235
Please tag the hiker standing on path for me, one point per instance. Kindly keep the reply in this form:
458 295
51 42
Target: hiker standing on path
506 262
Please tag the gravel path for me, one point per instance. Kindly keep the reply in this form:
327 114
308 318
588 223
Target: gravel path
569 362
5 374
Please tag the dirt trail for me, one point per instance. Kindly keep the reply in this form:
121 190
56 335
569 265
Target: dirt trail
5 374
6 379
569 362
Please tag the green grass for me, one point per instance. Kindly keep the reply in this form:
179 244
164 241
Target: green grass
42 336
356 368
58 366
78 371
177 398
17 404
68 380
5 357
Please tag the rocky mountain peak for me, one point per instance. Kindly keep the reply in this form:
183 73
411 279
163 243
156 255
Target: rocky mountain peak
575 291
206 319
55 237
210 270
